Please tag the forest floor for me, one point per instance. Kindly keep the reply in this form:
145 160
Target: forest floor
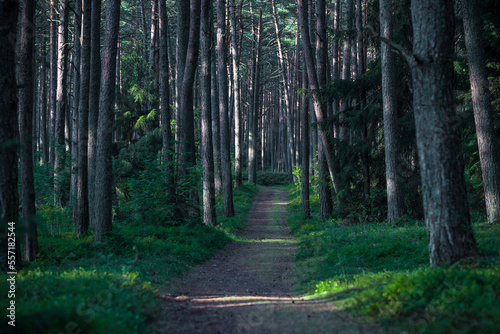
248 286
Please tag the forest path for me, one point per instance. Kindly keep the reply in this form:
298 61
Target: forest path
247 286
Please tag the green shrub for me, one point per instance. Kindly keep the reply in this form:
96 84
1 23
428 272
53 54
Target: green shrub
265 178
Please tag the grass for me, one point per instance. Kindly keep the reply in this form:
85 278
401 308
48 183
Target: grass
81 286
380 271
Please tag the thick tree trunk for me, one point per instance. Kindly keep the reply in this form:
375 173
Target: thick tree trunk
167 148
95 79
238 153
209 214
104 172
26 81
395 205
61 101
9 196
82 223
483 111
227 186
446 209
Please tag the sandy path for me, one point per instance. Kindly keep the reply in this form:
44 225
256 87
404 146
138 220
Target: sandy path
247 286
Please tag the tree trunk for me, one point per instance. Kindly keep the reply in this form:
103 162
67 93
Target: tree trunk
314 86
61 101
238 154
446 209
75 111
183 17
483 111
82 223
104 172
165 101
306 209
209 214
53 79
215 122
286 91
227 186
95 79
9 196
26 81
187 149
254 108
44 135
395 205
324 181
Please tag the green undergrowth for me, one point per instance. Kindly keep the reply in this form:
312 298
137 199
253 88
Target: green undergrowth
79 286
380 271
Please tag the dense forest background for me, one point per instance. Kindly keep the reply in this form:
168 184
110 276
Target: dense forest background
129 123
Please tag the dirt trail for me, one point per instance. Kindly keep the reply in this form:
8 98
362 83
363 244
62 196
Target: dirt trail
247 286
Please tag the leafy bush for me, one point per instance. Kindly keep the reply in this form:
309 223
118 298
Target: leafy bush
381 271
273 178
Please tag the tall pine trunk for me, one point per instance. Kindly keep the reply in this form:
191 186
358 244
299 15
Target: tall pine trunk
487 139
61 101
167 147
104 172
26 92
82 223
227 182
447 216
95 80
389 96
209 214
9 196
238 153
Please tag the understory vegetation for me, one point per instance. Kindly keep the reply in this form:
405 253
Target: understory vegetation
380 271
111 287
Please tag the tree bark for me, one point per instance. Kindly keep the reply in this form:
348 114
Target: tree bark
209 214
227 186
53 79
9 131
26 92
95 80
487 140
104 172
82 223
306 209
183 17
238 154
61 101
395 205
167 148
324 181
75 111
446 209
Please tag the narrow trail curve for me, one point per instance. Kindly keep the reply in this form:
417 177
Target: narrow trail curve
247 286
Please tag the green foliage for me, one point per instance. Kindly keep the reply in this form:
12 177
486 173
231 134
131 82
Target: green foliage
380 271
273 178
87 300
